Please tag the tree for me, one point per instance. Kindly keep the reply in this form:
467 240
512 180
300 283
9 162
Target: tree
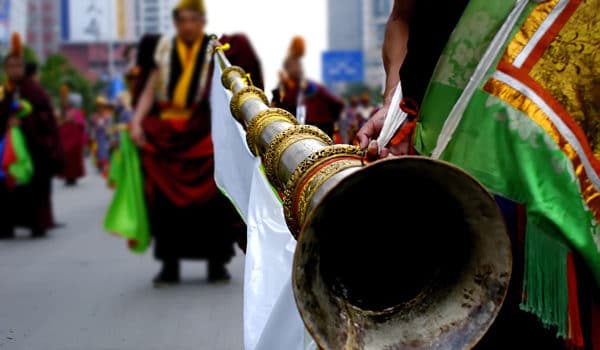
58 71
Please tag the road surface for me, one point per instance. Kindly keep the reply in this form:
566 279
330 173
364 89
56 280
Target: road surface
81 289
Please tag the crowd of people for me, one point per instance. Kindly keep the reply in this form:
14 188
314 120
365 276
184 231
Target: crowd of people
166 107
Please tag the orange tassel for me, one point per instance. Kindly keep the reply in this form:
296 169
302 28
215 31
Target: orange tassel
297 47
16 45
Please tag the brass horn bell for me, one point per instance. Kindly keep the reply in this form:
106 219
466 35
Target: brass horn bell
407 253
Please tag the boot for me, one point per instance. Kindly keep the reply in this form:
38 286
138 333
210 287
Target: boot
38 233
7 233
168 275
217 272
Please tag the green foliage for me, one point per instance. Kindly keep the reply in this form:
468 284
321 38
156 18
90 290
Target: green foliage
358 89
30 55
57 70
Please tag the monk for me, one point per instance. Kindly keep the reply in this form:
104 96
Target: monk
29 205
73 138
189 217
309 101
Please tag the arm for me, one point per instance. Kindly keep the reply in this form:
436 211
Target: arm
142 109
393 54
394 45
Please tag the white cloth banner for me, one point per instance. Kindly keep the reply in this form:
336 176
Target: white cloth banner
271 319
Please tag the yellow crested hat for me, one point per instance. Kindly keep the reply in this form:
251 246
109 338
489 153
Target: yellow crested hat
194 5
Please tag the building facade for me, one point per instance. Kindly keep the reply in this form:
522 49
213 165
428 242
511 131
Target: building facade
375 16
154 16
13 18
344 27
43 29
360 25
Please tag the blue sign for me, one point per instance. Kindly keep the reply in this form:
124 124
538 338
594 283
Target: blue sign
343 67
4 10
116 87
4 21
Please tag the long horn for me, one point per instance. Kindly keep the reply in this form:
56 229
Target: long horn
405 253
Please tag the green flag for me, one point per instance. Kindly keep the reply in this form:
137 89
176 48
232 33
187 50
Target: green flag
127 215
526 130
21 170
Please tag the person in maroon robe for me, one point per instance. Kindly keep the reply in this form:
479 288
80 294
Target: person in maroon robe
189 217
73 138
29 205
308 100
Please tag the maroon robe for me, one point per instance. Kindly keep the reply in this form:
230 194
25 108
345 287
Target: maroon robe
190 218
30 205
242 54
323 109
73 140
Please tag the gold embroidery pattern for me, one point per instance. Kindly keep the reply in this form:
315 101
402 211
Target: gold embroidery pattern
528 29
570 70
532 110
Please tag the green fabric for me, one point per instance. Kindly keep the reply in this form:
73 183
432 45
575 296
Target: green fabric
127 215
513 157
22 169
25 109
502 147
546 287
116 167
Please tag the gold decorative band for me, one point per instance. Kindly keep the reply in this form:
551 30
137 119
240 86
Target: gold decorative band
245 94
229 74
263 119
299 208
308 166
308 192
285 139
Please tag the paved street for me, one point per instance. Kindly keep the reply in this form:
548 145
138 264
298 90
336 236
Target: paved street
81 289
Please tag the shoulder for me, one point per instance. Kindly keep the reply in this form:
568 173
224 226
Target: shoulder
163 47
241 47
34 92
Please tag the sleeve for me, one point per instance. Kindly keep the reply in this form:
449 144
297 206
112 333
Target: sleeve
43 132
335 104
242 54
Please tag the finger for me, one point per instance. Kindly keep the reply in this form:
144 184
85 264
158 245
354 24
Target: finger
401 149
364 135
373 151
384 152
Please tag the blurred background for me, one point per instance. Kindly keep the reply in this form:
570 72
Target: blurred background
89 41
81 288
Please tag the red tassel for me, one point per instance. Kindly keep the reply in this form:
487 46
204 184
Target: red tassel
404 132
595 326
575 336
410 107
8 158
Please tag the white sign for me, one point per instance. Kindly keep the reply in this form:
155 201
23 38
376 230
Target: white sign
92 20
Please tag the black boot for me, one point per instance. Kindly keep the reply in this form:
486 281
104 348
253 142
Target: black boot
7 233
38 233
168 275
217 272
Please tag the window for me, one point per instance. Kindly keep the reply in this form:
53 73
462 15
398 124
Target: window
382 8
379 32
